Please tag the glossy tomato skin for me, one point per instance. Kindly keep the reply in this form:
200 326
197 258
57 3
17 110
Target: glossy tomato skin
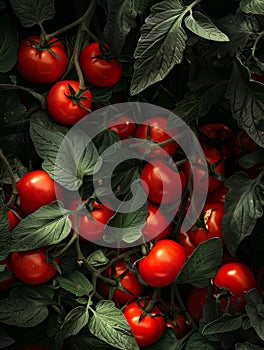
218 195
7 283
35 189
155 128
128 287
237 278
157 226
31 266
163 184
99 71
39 66
195 301
175 318
186 243
125 128
92 229
63 109
219 136
149 329
212 215
163 263
14 217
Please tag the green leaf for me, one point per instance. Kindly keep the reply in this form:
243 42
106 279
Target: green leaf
197 341
8 44
243 206
31 12
68 158
161 45
223 324
74 321
121 17
85 342
252 159
202 26
4 228
75 283
2 5
247 346
255 311
109 324
6 340
252 6
186 109
48 225
4 274
97 258
127 223
168 341
246 106
203 264
26 306
17 167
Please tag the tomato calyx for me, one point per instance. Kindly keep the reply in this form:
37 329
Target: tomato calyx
147 307
118 281
45 45
78 96
213 172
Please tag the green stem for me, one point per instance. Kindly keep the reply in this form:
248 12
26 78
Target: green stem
153 300
181 303
254 47
14 194
66 247
189 9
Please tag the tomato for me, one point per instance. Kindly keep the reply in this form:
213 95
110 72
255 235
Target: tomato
175 318
154 130
92 229
234 278
128 287
157 226
260 280
65 106
219 136
97 70
125 128
227 258
186 243
41 65
35 189
146 330
162 264
162 183
218 195
7 283
195 302
244 144
14 216
32 267
212 217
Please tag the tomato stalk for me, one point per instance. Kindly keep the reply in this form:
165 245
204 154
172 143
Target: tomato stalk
65 247
181 303
14 193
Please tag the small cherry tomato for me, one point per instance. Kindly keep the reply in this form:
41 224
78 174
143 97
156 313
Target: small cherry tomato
14 216
35 189
98 70
195 301
41 64
232 280
67 104
186 243
147 329
218 195
175 318
124 126
32 267
162 264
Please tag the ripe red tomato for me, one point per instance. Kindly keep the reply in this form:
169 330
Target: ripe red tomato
236 278
186 243
97 70
195 302
162 183
91 229
128 287
32 267
214 174
218 195
244 144
14 216
175 318
41 65
212 217
163 263
157 226
7 283
155 131
65 106
125 128
35 189
146 330
219 136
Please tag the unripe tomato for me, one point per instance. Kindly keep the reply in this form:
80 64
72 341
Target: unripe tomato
35 189
163 263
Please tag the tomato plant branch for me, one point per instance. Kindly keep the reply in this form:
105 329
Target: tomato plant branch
14 194
119 257
153 300
66 247
181 303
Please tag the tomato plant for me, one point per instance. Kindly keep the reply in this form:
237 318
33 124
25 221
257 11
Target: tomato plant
162 264
146 327
98 69
14 217
41 63
68 103
32 267
7 283
195 302
124 126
